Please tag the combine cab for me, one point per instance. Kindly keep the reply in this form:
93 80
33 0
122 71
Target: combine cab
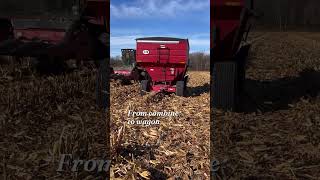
229 50
163 64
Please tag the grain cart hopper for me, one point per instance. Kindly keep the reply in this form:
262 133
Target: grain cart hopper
231 24
55 31
164 62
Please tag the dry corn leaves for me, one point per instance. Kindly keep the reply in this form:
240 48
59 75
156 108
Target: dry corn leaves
177 148
44 117
281 142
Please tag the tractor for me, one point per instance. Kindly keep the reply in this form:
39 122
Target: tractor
53 32
231 23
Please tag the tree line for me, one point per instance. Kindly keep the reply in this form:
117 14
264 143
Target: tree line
288 14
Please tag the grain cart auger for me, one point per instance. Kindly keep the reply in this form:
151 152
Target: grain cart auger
229 50
164 63
53 32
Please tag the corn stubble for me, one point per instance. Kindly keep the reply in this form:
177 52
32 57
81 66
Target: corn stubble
276 141
177 148
44 117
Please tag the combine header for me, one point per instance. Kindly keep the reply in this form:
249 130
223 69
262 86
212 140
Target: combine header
229 50
162 62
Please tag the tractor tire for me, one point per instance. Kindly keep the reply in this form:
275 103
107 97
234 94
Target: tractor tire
180 88
225 88
6 29
50 65
144 87
102 85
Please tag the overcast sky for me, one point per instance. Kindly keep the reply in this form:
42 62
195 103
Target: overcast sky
131 19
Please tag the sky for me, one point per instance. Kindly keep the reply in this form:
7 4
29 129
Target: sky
131 19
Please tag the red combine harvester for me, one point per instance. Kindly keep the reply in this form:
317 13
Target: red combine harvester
229 50
128 58
163 64
66 35
56 31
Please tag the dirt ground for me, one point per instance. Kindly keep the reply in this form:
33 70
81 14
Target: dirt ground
178 147
275 135
43 117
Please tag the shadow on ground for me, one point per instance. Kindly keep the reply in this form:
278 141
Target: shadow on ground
197 91
267 96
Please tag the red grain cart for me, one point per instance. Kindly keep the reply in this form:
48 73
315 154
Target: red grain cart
229 30
164 62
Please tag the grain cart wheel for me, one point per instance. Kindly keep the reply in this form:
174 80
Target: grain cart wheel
225 85
180 88
102 85
144 87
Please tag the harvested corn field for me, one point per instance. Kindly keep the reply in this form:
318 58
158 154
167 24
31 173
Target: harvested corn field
43 117
276 133
177 146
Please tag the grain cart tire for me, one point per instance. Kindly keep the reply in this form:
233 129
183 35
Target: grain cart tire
102 85
180 88
144 87
225 85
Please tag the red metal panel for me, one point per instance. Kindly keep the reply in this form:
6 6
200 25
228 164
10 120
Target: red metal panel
51 36
97 11
165 61
226 20
161 87
97 8
165 73
152 52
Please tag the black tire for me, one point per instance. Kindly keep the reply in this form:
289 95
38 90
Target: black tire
51 65
144 87
6 29
180 88
225 88
102 86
